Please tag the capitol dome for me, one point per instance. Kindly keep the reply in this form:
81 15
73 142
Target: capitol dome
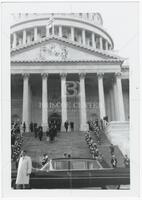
81 28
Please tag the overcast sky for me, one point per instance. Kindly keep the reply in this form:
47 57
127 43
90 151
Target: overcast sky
121 22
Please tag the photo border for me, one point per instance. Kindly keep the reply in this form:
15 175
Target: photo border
8 8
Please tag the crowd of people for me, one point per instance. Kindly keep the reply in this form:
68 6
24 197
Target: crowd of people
94 151
97 128
51 132
54 126
16 142
18 129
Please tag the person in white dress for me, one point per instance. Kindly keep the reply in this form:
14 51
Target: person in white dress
24 171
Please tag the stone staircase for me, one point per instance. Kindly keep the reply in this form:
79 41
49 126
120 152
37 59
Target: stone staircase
106 153
71 143
118 133
105 150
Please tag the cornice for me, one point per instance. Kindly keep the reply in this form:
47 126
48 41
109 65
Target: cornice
99 61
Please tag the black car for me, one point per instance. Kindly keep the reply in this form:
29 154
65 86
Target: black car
76 173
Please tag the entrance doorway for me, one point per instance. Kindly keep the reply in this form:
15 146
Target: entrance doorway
15 117
94 117
55 118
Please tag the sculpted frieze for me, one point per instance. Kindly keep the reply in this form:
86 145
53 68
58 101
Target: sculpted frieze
53 51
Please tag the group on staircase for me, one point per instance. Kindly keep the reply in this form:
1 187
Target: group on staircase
94 151
97 127
16 141
94 140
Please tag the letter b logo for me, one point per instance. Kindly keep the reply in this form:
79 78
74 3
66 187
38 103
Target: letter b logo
72 88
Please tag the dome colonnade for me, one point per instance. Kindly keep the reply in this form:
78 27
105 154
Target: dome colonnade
73 27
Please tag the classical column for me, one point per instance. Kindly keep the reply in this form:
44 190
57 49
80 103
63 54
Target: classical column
24 37
106 45
47 31
28 38
26 100
83 117
112 104
35 34
63 100
72 33
53 32
101 95
44 102
116 110
101 43
14 40
20 41
83 37
30 103
120 97
93 40
109 47
60 31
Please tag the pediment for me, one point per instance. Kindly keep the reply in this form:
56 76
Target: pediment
54 50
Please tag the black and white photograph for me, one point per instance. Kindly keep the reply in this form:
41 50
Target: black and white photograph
72 97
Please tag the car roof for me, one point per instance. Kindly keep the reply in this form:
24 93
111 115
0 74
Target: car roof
73 158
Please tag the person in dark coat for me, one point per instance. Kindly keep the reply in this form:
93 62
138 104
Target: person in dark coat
66 125
111 149
51 133
24 127
35 131
72 126
114 161
58 125
31 127
40 133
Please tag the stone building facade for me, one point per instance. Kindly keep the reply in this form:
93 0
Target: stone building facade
64 65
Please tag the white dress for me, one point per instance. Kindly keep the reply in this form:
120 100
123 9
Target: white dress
24 167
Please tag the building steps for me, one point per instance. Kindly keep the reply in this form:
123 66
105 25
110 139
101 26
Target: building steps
71 143
105 150
118 133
